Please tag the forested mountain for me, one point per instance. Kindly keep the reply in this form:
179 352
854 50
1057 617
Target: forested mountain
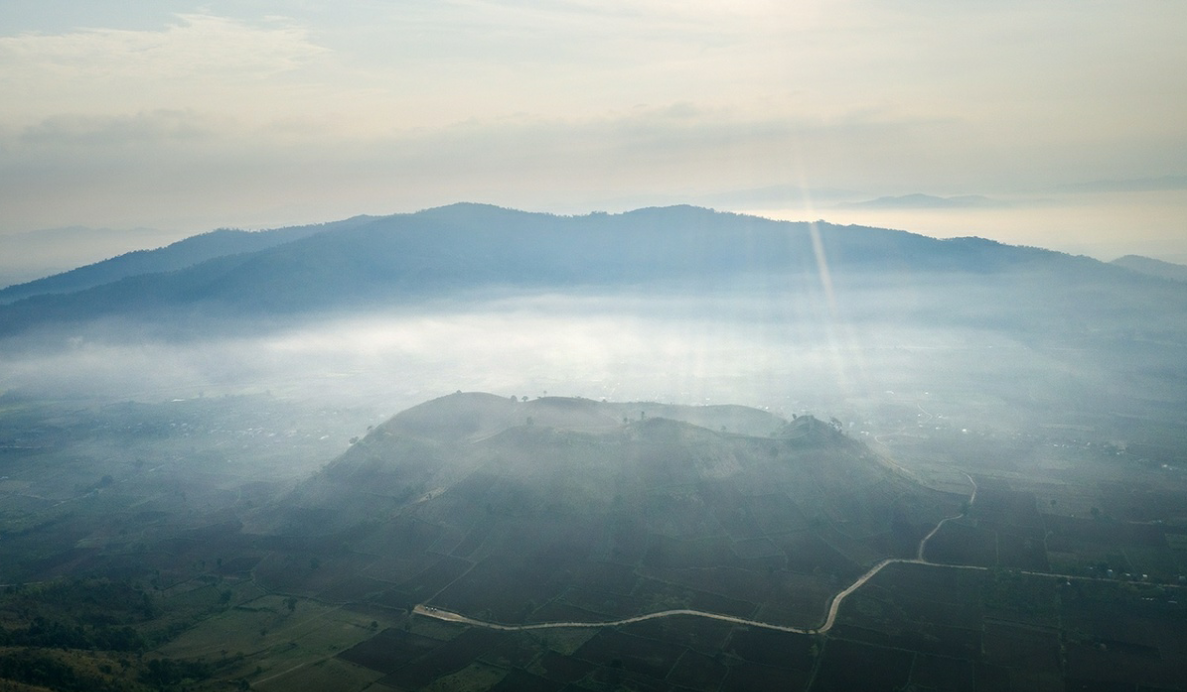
178 255
467 250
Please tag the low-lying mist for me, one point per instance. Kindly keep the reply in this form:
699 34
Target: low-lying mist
787 353
559 345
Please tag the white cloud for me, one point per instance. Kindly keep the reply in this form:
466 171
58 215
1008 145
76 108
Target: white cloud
197 45
370 107
147 128
199 61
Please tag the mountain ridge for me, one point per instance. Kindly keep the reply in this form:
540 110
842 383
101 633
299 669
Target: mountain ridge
1152 267
174 256
404 259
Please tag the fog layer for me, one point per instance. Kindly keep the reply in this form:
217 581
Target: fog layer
858 356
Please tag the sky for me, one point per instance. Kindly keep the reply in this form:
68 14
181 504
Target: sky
1065 119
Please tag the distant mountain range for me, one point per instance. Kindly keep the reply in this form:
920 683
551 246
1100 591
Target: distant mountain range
922 201
470 250
1152 267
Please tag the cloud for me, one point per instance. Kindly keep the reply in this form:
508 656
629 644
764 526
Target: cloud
1166 182
199 60
559 104
141 128
197 45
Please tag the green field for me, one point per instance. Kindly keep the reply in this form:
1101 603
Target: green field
132 562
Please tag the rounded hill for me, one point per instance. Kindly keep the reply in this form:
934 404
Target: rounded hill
573 510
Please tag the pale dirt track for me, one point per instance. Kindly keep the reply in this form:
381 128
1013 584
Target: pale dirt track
829 620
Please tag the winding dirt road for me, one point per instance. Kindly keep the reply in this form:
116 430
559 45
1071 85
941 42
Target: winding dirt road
448 616
829 619
971 500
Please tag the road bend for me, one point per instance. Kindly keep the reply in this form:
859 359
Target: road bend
829 620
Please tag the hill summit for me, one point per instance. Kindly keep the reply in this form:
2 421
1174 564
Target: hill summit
562 509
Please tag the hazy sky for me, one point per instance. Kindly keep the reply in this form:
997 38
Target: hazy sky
186 116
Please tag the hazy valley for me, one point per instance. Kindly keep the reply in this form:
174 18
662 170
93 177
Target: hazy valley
236 462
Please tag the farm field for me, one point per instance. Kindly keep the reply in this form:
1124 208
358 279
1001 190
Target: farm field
1055 579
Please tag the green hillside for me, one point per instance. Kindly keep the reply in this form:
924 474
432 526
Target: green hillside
571 510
